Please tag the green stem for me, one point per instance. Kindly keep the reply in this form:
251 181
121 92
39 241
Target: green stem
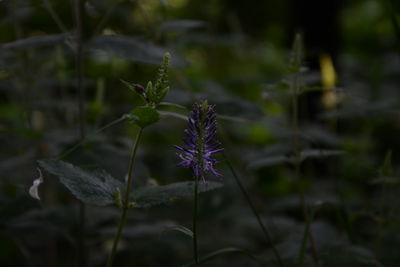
195 205
81 142
296 90
77 11
256 214
125 204
297 156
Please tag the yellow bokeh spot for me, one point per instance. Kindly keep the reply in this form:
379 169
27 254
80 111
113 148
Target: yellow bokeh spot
328 80
328 73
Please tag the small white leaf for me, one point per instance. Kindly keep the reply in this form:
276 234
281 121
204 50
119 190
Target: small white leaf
33 190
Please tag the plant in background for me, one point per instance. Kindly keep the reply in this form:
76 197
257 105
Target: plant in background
200 145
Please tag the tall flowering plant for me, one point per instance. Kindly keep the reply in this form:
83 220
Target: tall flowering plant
200 146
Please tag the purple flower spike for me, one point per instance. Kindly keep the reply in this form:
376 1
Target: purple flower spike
199 141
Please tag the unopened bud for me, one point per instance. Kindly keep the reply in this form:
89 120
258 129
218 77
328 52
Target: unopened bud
139 89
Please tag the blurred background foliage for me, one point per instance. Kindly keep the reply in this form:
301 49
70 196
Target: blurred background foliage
237 55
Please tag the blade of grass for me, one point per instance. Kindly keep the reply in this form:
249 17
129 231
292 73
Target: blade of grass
255 212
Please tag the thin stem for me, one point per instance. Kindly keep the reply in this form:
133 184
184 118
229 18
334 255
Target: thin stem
125 204
73 148
54 15
81 94
297 165
20 85
256 214
105 18
79 67
195 205
393 17
81 235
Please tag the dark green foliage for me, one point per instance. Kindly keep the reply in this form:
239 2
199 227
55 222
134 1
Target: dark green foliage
239 55
99 188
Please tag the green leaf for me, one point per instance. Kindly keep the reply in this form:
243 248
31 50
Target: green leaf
118 198
94 188
181 229
146 115
151 92
156 195
220 252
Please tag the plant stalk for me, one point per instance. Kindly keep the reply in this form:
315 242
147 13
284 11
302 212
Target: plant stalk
256 214
55 16
125 204
82 131
297 164
195 206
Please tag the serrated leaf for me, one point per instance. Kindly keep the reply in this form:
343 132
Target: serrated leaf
94 188
155 195
146 115
181 229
